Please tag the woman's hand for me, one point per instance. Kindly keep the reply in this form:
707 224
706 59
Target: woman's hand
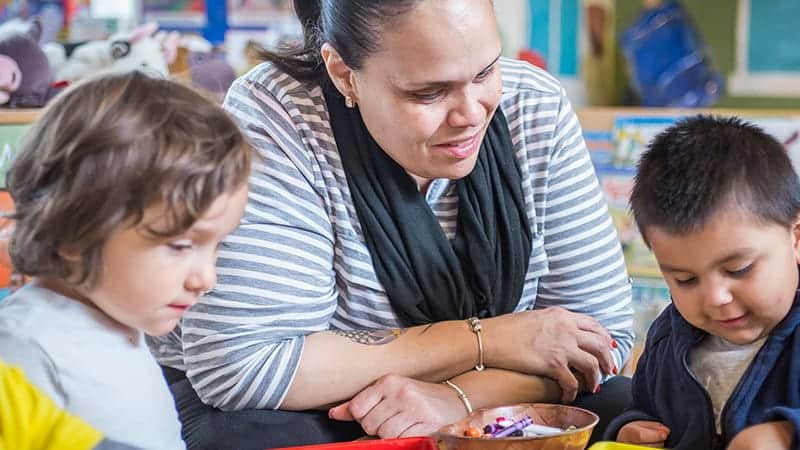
568 347
644 432
396 406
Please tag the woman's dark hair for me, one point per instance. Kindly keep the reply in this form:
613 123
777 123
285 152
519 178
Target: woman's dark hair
353 27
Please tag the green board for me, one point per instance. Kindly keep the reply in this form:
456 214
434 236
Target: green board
9 140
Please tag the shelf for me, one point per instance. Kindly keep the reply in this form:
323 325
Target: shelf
602 118
18 116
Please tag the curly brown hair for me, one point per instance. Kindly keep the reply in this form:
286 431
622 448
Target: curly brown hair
101 154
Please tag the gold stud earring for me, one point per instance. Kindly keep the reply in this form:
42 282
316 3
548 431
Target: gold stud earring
349 102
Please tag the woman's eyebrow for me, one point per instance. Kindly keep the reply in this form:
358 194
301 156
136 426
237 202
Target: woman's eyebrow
418 84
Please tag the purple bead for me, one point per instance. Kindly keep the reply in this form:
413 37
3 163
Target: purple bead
491 428
518 425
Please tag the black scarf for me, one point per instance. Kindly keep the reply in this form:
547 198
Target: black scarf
426 278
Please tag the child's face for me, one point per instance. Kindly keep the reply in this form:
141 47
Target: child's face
735 278
148 284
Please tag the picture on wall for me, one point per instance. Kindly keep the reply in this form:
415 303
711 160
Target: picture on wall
175 13
258 13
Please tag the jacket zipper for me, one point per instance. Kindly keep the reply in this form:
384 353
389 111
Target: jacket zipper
723 415
716 440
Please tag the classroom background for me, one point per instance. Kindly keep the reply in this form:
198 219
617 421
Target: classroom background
630 68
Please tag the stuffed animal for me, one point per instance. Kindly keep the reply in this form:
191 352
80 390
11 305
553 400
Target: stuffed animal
10 78
196 61
137 50
211 72
19 41
56 56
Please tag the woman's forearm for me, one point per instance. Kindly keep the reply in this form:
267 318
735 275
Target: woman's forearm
336 365
497 387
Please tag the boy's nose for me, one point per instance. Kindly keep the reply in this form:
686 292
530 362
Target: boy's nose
203 278
717 294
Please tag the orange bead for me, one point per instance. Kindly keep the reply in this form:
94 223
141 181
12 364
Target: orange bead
473 432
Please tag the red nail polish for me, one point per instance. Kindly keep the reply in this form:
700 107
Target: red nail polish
597 389
614 370
613 343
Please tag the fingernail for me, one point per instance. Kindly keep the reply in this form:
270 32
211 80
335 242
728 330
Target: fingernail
613 343
596 389
330 413
614 370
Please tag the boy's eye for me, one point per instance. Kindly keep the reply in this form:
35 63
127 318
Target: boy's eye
180 245
686 281
740 272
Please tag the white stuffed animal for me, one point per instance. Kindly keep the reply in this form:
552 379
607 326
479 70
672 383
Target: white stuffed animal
137 50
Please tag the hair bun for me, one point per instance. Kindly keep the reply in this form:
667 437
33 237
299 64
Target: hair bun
308 12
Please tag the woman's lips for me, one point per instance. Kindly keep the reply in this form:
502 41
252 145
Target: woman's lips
460 149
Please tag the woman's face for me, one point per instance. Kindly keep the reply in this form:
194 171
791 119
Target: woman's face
429 95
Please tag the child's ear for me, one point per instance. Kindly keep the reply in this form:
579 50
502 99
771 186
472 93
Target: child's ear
796 235
69 254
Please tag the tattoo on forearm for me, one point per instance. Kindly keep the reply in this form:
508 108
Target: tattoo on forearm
371 337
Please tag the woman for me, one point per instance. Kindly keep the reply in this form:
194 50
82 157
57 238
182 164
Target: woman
411 179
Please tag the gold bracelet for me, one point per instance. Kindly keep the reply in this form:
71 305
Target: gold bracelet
461 395
475 326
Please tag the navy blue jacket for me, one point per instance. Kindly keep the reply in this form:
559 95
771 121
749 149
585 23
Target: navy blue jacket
664 389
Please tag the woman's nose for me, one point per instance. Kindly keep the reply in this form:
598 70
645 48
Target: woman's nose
467 113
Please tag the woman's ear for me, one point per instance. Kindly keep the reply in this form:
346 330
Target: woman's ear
340 73
796 238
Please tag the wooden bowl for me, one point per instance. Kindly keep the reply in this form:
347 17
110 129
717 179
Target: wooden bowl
561 416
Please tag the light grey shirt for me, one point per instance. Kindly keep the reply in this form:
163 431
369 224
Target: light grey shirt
719 365
90 367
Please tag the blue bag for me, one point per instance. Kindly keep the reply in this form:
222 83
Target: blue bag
667 61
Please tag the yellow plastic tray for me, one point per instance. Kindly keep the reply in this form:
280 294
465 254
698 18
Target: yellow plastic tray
617 446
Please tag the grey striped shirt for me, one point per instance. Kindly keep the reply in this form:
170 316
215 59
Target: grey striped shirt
298 263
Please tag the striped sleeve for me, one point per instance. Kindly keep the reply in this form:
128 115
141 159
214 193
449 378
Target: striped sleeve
242 342
587 271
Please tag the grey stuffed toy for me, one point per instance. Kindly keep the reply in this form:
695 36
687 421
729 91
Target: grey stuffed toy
20 42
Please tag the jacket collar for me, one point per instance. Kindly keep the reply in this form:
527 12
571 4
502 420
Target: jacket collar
685 335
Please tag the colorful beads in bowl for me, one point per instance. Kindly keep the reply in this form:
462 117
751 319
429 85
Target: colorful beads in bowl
508 427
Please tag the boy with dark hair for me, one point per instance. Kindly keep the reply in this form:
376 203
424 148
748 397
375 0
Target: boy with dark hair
718 202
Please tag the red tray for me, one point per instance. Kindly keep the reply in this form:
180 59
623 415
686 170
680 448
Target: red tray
415 443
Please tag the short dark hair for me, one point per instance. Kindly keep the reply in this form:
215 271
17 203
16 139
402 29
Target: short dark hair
353 27
101 154
705 163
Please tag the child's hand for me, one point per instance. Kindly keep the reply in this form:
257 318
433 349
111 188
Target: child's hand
767 436
644 432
